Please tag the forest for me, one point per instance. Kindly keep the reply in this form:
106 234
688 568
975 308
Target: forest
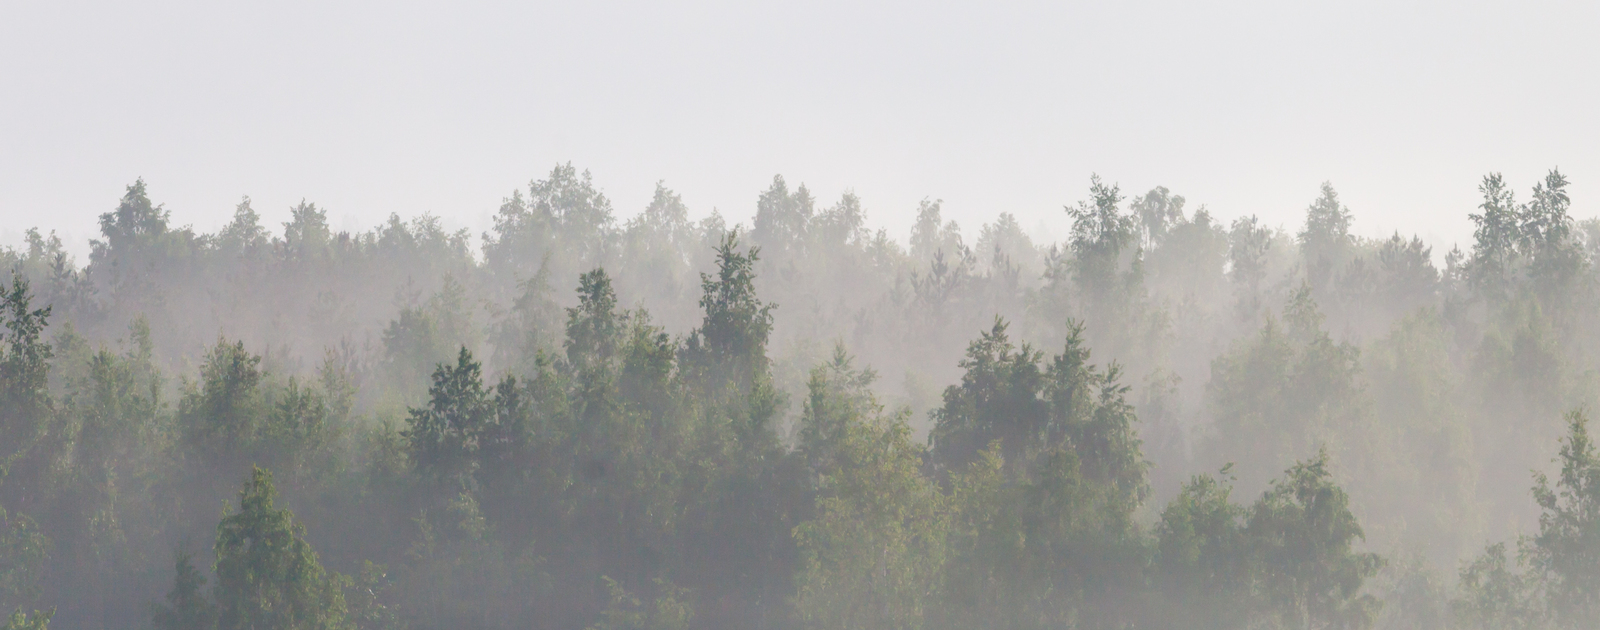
604 419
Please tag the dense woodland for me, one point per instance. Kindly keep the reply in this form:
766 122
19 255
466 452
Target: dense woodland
1169 420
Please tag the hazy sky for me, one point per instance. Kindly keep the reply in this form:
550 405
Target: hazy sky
372 108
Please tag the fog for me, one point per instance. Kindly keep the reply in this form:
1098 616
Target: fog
596 417
716 315
416 107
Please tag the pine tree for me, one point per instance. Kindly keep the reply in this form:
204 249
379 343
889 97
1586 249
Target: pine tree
444 435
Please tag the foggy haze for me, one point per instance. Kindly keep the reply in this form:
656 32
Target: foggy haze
616 316
411 108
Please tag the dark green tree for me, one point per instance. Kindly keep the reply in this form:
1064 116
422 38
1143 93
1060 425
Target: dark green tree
593 326
998 399
444 435
27 409
1302 535
1203 569
730 346
218 421
268 577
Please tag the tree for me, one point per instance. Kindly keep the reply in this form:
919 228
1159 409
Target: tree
1408 279
1496 237
1279 394
444 435
268 577
187 607
1524 246
23 551
593 326
219 420
1157 212
783 219
837 396
874 555
1101 237
1090 412
306 235
1325 241
564 220
36 621
672 609
1495 596
730 346
998 399
1052 536
27 409
296 434
1555 256
1203 569
1302 535
1248 245
1567 549
929 236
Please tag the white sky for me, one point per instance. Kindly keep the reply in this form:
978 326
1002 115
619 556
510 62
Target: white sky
372 108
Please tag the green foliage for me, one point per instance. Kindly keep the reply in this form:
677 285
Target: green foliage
267 574
1249 243
219 419
838 396
1044 514
1495 595
599 440
23 552
1303 534
1283 392
592 326
782 217
426 334
1101 236
27 415
873 555
187 607
672 609
998 399
731 343
362 596
1567 549
27 409
444 436
1203 562
36 621
1524 248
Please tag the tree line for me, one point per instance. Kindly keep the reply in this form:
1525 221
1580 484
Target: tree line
802 424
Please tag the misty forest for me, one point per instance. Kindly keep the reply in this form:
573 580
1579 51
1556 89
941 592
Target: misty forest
1171 419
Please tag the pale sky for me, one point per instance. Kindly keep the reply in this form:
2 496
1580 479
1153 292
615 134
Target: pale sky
372 108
